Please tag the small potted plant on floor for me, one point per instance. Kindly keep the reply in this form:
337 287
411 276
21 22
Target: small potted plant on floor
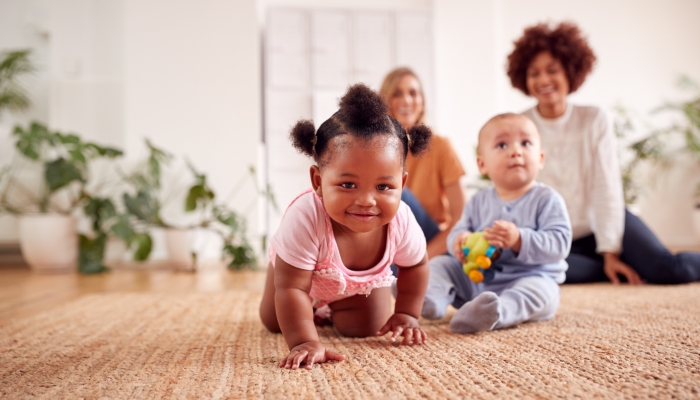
686 130
205 216
217 217
45 185
634 152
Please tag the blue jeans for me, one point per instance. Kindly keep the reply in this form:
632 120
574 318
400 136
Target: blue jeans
427 224
641 250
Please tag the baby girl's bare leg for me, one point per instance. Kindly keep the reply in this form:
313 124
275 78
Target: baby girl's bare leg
360 315
267 305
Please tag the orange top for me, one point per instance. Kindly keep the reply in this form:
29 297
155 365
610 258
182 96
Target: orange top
429 174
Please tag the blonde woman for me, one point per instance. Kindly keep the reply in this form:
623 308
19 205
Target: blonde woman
432 190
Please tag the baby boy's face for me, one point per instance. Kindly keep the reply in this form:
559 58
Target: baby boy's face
510 152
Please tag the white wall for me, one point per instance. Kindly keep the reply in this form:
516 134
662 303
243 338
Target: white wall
87 69
24 24
642 47
192 86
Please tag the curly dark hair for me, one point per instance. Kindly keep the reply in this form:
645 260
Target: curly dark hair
565 42
363 114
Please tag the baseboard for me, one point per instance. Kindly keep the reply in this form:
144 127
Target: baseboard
11 256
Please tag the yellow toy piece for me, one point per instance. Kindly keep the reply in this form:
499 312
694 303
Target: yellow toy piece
478 256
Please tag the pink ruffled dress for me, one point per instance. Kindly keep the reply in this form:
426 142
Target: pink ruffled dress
305 240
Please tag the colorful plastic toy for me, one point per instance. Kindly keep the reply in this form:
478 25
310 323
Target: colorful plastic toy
478 256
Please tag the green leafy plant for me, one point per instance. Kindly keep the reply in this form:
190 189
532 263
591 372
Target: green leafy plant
636 152
145 206
14 65
64 160
688 128
656 146
227 223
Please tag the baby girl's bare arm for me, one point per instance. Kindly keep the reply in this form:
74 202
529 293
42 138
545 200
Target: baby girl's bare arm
295 318
412 284
292 304
411 287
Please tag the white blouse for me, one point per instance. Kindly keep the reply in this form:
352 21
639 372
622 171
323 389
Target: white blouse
582 164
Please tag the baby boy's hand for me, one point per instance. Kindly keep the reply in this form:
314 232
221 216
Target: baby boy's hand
404 325
504 234
457 245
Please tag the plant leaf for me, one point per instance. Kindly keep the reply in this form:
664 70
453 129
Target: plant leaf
61 172
143 206
99 210
242 255
77 156
198 194
144 244
123 229
69 138
230 219
13 96
26 143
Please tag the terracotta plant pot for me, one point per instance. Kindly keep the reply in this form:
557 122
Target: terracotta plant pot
49 242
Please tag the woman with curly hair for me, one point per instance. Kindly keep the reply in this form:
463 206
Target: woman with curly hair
549 63
432 189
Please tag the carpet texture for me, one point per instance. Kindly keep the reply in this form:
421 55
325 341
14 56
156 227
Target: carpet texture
609 342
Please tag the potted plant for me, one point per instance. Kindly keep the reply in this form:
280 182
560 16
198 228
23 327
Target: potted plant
218 218
47 211
675 141
207 215
686 130
634 152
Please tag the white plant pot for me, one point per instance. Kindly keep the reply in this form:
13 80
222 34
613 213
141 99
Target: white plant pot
115 252
179 245
49 242
696 222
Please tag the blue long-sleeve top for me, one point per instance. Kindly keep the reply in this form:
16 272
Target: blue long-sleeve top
543 222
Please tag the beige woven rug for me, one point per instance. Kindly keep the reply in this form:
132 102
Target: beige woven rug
610 342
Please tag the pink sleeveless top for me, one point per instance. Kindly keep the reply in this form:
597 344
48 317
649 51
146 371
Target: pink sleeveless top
305 240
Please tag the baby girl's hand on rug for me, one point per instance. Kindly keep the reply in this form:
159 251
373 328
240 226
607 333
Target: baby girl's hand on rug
404 325
457 245
309 353
504 234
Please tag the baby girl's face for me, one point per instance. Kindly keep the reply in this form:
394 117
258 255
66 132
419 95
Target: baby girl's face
510 153
362 181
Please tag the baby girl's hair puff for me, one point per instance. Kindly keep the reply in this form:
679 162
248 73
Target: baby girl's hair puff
362 114
303 137
420 136
364 109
